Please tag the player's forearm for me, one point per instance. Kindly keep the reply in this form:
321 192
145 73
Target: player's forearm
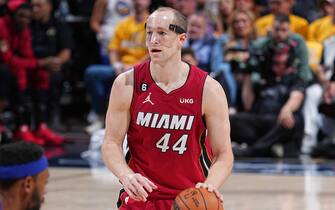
114 159
220 169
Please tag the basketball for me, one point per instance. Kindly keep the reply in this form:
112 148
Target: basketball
196 199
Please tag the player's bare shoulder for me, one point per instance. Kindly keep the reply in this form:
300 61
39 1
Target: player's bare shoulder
212 88
125 79
213 94
122 89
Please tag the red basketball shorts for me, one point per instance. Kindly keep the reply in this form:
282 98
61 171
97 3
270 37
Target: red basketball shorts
126 203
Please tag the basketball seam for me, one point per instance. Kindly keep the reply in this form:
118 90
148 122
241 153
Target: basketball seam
183 202
203 198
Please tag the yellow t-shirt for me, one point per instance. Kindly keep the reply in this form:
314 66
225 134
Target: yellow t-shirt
321 29
129 41
298 25
314 54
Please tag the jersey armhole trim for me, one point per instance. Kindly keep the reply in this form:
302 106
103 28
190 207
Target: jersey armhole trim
133 95
201 104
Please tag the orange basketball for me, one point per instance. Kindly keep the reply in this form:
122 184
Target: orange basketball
196 199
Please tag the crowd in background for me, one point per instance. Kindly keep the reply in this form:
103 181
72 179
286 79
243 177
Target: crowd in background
274 59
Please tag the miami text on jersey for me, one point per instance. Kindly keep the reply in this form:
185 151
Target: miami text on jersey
166 121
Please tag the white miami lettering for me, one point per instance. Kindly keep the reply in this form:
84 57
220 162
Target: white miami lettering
186 100
166 121
143 120
178 122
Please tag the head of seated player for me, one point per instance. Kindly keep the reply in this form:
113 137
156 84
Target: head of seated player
165 34
23 176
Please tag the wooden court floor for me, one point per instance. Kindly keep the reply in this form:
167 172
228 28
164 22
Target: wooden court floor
97 189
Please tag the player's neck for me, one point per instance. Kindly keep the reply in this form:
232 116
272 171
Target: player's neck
169 72
10 202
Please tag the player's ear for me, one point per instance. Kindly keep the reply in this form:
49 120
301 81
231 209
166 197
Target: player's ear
182 39
28 184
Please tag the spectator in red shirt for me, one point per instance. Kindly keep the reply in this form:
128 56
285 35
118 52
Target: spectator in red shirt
30 73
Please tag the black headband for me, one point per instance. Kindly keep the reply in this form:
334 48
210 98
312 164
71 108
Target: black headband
172 27
177 29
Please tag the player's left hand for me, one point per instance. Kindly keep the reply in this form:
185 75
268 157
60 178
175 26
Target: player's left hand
210 188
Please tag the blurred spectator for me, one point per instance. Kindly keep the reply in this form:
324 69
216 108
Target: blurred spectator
275 116
281 33
231 54
187 55
282 7
127 47
5 86
3 7
326 7
313 119
16 52
156 4
245 5
261 7
309 10
105 16
201 5
322 28
187 7
226 8
201 42
329 94
172 3
325 148
52 40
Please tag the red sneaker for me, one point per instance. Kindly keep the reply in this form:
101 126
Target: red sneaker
44 132
25 134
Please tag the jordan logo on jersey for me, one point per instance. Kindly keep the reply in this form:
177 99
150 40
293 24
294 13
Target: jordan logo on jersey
148 100
166 121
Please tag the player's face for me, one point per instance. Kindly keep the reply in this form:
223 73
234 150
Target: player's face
162 43
37 195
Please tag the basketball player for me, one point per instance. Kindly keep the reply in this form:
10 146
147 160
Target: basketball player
23 176
165 106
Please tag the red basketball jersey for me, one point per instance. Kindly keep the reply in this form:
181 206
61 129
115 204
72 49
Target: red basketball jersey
167 133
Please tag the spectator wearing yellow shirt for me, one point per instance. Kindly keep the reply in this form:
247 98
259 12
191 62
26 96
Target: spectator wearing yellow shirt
298 24
322 28
126 48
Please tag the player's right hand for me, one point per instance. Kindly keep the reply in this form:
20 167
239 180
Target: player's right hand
137 186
